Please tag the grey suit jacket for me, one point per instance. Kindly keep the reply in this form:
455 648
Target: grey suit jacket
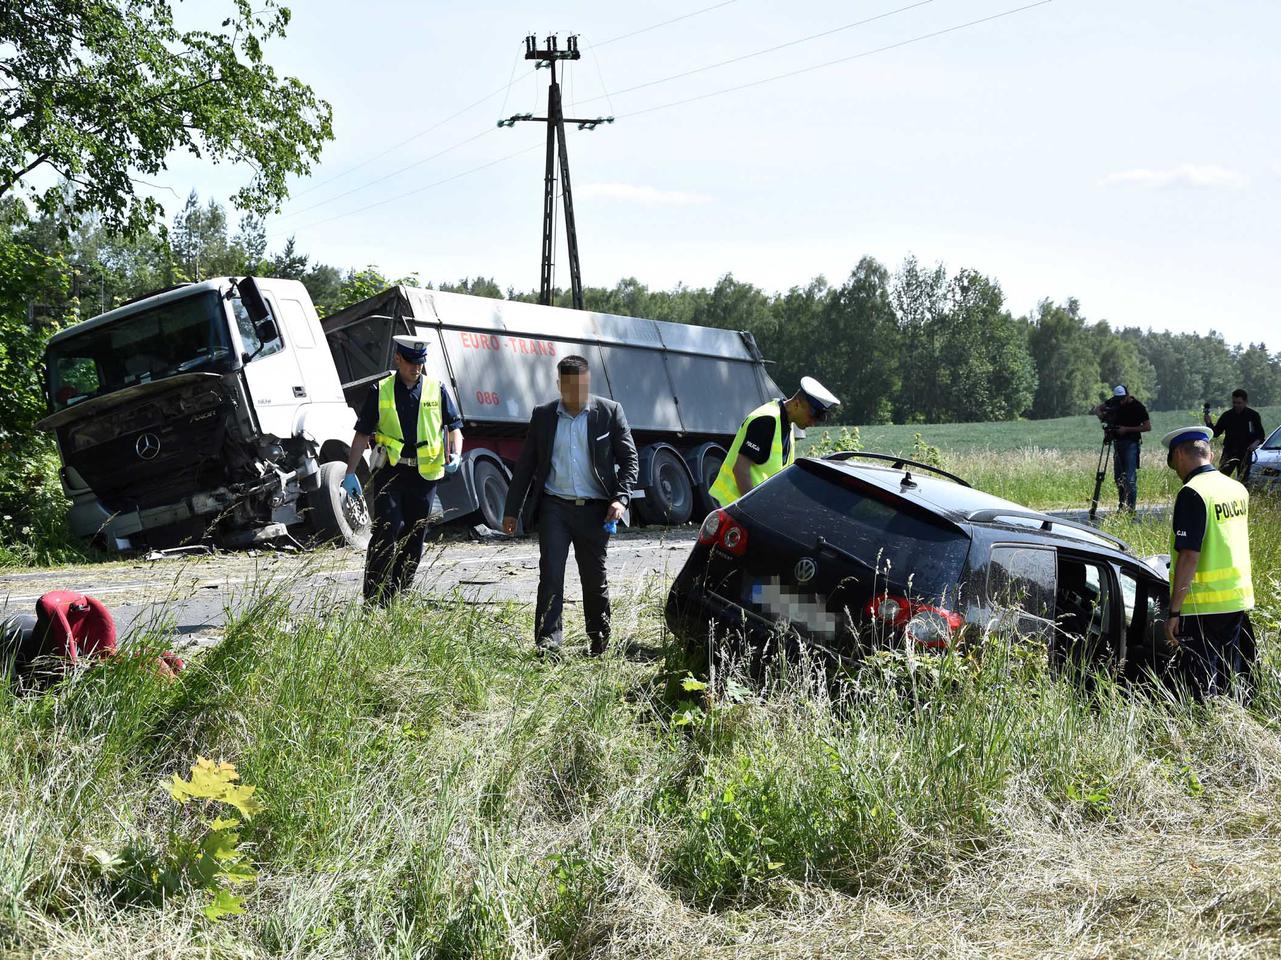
613 454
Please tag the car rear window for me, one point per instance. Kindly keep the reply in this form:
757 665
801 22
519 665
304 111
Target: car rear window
912 549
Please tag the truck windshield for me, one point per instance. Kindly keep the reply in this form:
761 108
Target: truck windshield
181 336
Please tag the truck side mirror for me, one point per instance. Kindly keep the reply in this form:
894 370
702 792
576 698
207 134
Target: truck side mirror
266 330
254 304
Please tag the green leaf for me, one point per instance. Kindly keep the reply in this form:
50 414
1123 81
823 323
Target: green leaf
224 905
215 781
691 685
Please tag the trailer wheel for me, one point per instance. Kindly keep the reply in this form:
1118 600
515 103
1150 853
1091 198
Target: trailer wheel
491 492
334 517
669 496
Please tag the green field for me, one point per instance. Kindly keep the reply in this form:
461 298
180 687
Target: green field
1047 464
1069 434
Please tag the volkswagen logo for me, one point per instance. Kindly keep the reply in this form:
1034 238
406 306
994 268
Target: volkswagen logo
805 570
148 446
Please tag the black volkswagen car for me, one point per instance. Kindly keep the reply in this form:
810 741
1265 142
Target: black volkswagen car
858 551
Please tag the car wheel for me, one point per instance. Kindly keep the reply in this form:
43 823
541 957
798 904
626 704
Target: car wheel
669 496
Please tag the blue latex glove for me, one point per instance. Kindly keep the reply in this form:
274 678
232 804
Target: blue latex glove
611 527
351 485
452 464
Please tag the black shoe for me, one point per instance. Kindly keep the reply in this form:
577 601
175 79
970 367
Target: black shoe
547 646
598 646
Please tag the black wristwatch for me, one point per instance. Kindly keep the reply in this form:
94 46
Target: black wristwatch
1176 613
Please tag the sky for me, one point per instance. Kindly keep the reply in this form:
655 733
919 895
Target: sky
1125 153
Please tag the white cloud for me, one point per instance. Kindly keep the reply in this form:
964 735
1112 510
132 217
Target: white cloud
1184 175
650 196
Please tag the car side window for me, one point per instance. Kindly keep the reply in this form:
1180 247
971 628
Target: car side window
1022 580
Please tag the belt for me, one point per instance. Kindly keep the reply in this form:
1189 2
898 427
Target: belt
577 501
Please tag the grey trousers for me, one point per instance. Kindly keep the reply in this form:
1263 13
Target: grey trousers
560 525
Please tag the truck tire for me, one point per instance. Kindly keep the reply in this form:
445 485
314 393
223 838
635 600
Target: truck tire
706 473
333 520
669 495
491 492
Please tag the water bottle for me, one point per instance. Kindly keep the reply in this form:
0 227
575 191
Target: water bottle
611 527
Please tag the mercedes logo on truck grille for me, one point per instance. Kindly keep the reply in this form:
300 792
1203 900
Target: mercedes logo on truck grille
148 446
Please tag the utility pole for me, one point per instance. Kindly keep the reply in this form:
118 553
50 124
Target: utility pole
556 152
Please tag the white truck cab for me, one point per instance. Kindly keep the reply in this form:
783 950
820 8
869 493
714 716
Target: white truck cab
209 406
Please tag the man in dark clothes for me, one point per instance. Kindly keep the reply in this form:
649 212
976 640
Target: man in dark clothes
407 417
575 475
1128 420
1242 432
1211 590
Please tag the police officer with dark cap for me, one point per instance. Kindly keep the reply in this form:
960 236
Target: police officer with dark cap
417 437
766 442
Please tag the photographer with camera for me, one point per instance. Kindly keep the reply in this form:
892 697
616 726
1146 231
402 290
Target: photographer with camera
1242 432
1125 420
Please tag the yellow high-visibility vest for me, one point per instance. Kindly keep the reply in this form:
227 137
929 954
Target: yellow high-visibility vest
1222 583
725 489
431 431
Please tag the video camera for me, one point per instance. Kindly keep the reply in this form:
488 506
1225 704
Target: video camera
1108 418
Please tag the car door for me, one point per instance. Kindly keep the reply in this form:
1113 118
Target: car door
1019 585
1088 625
1145 604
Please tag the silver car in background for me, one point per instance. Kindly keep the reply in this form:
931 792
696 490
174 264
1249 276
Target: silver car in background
1265 474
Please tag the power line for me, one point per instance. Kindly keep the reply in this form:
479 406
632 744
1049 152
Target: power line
388 176
418 190
505 90
655 26
761 53
410 139
832 63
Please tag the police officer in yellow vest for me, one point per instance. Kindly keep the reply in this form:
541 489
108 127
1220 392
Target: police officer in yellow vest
1210 586
765 443
417 435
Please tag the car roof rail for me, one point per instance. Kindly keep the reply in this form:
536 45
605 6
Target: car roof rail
895 462
1048 523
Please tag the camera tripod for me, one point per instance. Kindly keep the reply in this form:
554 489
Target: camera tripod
1105 453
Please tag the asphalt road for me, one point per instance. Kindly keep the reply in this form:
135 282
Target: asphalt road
194 596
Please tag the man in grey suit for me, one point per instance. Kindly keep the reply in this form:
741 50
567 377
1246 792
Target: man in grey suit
574 476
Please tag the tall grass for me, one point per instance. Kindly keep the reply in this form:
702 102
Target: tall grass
434 790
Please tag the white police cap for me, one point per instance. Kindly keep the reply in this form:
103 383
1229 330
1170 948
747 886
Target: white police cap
413 349
818 395
1184 435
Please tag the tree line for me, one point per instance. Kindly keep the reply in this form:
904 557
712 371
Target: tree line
913 344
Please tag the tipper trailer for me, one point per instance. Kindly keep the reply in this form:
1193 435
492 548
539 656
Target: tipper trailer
225 408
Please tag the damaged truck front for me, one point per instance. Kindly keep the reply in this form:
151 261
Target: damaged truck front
209 409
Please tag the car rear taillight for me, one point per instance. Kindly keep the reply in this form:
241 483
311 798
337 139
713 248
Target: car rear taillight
722 530
711 527
927 626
